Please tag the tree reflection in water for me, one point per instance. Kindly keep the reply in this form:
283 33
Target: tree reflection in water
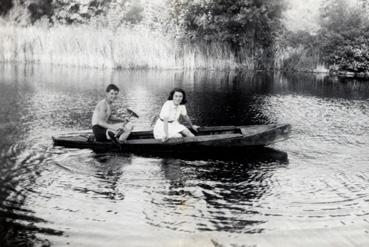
19 225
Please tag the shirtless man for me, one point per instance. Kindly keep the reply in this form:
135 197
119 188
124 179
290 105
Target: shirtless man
102 125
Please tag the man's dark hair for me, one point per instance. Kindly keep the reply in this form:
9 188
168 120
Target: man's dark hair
112 87
180 90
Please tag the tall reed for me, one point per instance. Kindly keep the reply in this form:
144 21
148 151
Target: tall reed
126 48
299 58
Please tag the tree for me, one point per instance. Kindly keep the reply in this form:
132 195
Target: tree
76 11
239 22
344 36
25 12
108 12
156 15
5 6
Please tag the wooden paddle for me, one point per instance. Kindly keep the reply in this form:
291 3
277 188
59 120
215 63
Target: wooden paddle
132 113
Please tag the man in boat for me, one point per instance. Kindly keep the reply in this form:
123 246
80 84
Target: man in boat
104 125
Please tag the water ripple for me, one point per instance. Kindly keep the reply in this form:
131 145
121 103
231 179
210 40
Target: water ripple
57 196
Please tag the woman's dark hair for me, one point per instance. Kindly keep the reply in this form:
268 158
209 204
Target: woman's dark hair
112 87
180 90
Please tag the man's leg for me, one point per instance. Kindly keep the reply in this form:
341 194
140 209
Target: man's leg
116 131
127 131
99 133
111 136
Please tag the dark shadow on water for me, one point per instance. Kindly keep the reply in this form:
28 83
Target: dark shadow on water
19 225
109 171
13 234
245 155
224 192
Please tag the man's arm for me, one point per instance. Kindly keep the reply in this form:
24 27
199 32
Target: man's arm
117 119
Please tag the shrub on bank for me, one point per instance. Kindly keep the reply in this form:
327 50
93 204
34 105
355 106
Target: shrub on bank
344 37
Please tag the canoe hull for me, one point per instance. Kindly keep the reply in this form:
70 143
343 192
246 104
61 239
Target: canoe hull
210 139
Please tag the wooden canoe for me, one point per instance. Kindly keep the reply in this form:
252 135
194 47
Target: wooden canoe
208 138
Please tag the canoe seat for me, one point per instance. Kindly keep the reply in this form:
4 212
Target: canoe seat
252 130
244 131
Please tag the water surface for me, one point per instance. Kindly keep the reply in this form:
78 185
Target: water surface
313 186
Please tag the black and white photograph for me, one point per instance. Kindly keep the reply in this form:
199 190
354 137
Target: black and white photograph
184 123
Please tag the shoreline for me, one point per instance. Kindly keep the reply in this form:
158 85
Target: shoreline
331 73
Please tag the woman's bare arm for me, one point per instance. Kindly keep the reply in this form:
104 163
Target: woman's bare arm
188 120
166 128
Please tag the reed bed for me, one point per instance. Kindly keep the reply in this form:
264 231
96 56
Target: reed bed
125 48
299 59
213 56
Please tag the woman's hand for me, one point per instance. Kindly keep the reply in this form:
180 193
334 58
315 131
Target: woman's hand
195 128
164 139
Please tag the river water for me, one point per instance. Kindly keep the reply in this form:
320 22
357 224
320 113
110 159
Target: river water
311 189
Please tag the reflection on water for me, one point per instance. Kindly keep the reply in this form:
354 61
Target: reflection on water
56 196
222 191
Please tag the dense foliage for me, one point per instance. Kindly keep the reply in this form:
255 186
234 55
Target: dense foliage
341 43
253 24
344 36
250 31
5 6
107 12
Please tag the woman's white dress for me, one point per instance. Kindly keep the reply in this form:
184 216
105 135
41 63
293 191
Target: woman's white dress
172 112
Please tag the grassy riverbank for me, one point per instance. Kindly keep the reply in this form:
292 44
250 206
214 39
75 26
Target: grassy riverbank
125 48
177 35
131 48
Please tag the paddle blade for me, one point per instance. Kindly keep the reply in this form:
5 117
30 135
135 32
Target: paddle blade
132 113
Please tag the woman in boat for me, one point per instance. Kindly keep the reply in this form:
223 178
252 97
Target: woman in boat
167 125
